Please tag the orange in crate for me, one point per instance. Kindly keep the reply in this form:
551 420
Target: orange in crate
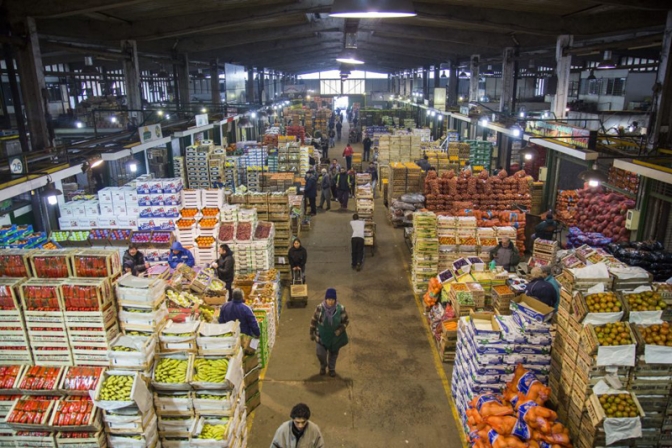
205 241
208 223
189 212
185 223
210 211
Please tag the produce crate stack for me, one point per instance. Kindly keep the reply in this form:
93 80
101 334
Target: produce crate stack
537 198
425 250
480 155
488 349
197 158
231 180
43 310
142 309
179 168
296 131
254 178
265 319
544 253
624 180
191 198
304 161
364 196
212 198
502 296
566 207
384 149
447 234
15 344
216 164
90 318
260 202
278 207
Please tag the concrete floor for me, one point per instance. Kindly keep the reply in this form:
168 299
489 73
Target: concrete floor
390 389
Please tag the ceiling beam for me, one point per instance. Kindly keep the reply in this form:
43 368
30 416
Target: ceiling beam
639 4
49 9
287 48
440 51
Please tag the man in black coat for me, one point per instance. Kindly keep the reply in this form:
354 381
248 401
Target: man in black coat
136 258
310 190
225 267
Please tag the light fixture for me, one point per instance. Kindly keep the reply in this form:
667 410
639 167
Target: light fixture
372 9
162 73
443 74
607 61
79 124
52 200
489 71
463 75
433 113
461 98
50 192
591 77
113 119
204 110
133 167
348 57
633 126
484 120
545 115
593 176
516 131
253 115
167 116
200 74
159 113
440 117
521 114
528 152
96 162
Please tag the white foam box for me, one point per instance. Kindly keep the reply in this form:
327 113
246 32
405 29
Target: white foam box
157 199
66 210
67 223
106 209
105 196
120 209
127 222
91 208
119 195
133 209
130 195
144 200
84 224
107 223
78 209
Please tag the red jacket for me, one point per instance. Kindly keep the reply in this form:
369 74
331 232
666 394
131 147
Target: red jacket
348 151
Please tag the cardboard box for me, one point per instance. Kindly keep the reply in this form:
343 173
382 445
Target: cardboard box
118 196
532 309
158 211
157 199
145 200
91 209
78 209
105 196
106 209
479 326
130 195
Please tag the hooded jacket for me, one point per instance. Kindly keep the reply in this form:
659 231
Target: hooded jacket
543 291
183 256
226 267
237 310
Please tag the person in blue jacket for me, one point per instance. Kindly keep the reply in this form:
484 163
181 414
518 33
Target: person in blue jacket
237 310
179 254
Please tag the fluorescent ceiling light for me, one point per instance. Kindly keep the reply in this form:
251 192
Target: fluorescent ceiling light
348 57
372 9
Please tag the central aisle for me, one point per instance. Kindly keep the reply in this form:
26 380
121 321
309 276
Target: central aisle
388 391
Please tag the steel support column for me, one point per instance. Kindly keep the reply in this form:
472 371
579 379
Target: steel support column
562 70
508 75
660 120
475 75
132 74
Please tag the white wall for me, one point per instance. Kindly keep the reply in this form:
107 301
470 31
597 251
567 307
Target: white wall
639 87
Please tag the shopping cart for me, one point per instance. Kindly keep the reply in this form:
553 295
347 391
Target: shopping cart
298 291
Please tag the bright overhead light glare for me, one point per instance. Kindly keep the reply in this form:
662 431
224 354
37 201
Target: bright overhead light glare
372 9
253 115
545 115
348 57
133 167
516 132
168 116
96 163
433 113
159 113
79 124
113 119
483 121
528 156
607 61
440 117
593 176
461 98
521 114
204 110
593 183
52 200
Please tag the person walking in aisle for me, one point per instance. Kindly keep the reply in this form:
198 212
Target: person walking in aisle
373 171
347 153
325 189
357 242
343 188
332 136
299 432
327 329
310 190
236 309
298 256
339 128
334 169
225 268
367 142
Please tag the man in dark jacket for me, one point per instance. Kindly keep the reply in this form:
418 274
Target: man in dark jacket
225 266
546 228
179 255
332 137
237 310
540 289
343 188
505 254
298 256
310 191
339 128
136 258
367 142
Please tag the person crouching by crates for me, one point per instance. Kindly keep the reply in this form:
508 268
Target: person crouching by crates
136 259
327 329
179 255
540 289
236 309
357 242
225 267
298 255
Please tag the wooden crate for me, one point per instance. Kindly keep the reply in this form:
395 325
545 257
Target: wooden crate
95 263
55 263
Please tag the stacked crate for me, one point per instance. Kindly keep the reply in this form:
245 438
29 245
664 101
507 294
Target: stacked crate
231 173
384 149
425 250
142 310
278 207
197 160
91 319
480 155
15 347
216 166
43 310
179 169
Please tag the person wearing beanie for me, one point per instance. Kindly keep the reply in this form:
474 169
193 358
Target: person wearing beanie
325 188
136 259
546 228
327 329
237 310
540 289
299 432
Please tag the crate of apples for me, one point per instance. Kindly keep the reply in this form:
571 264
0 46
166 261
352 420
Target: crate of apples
205 242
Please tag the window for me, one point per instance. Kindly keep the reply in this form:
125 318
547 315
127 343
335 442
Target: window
615 86
591 87
353 87
540 89
330 87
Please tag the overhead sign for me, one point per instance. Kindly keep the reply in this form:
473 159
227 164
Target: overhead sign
150 133
579 137
201 120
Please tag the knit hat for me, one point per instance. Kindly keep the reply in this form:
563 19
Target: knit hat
331 294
